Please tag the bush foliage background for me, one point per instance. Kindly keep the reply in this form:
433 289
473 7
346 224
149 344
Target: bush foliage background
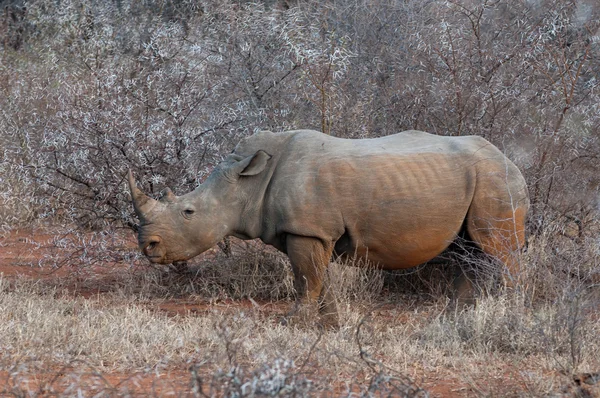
166 87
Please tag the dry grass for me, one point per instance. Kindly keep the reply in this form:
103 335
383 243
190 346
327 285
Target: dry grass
228 348
391 339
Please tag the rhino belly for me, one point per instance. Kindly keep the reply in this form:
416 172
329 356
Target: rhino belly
397 250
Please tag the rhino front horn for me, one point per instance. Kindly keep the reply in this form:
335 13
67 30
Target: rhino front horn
141 201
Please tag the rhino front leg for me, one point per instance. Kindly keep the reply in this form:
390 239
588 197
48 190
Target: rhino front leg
309 258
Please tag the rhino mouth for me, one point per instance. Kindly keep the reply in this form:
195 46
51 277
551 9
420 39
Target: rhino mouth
155 259
166 260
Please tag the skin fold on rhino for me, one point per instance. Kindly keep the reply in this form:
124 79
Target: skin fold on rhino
399 200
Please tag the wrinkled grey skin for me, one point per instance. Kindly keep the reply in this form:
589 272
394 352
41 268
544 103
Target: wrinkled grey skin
399 200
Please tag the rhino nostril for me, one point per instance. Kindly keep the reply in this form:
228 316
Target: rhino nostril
151 245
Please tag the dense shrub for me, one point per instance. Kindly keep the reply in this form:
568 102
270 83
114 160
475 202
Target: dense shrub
91 89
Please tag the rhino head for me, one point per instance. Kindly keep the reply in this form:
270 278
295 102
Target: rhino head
177 228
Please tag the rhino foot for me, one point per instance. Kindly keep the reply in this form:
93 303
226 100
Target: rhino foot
330 321
308 316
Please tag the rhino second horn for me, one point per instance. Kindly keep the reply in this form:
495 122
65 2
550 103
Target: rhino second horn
141 201
168 195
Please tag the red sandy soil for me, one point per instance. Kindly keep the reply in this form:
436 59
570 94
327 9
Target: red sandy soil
18 257
67 381
18 260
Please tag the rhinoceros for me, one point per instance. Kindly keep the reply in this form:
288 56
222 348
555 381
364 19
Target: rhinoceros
398 200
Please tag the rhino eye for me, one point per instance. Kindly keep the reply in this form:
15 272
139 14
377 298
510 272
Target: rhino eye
188 212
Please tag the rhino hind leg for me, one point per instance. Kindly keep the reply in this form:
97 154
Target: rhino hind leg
309 258
327 306
464 289
499 232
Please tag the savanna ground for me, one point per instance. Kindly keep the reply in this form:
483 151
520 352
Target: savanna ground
125 328
166 88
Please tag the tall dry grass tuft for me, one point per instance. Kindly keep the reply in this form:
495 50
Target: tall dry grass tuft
561 264
250 270
558 337
354 283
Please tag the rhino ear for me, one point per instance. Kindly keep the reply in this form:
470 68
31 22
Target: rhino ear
253 165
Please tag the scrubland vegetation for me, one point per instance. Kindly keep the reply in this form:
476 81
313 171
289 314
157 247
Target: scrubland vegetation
91 89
